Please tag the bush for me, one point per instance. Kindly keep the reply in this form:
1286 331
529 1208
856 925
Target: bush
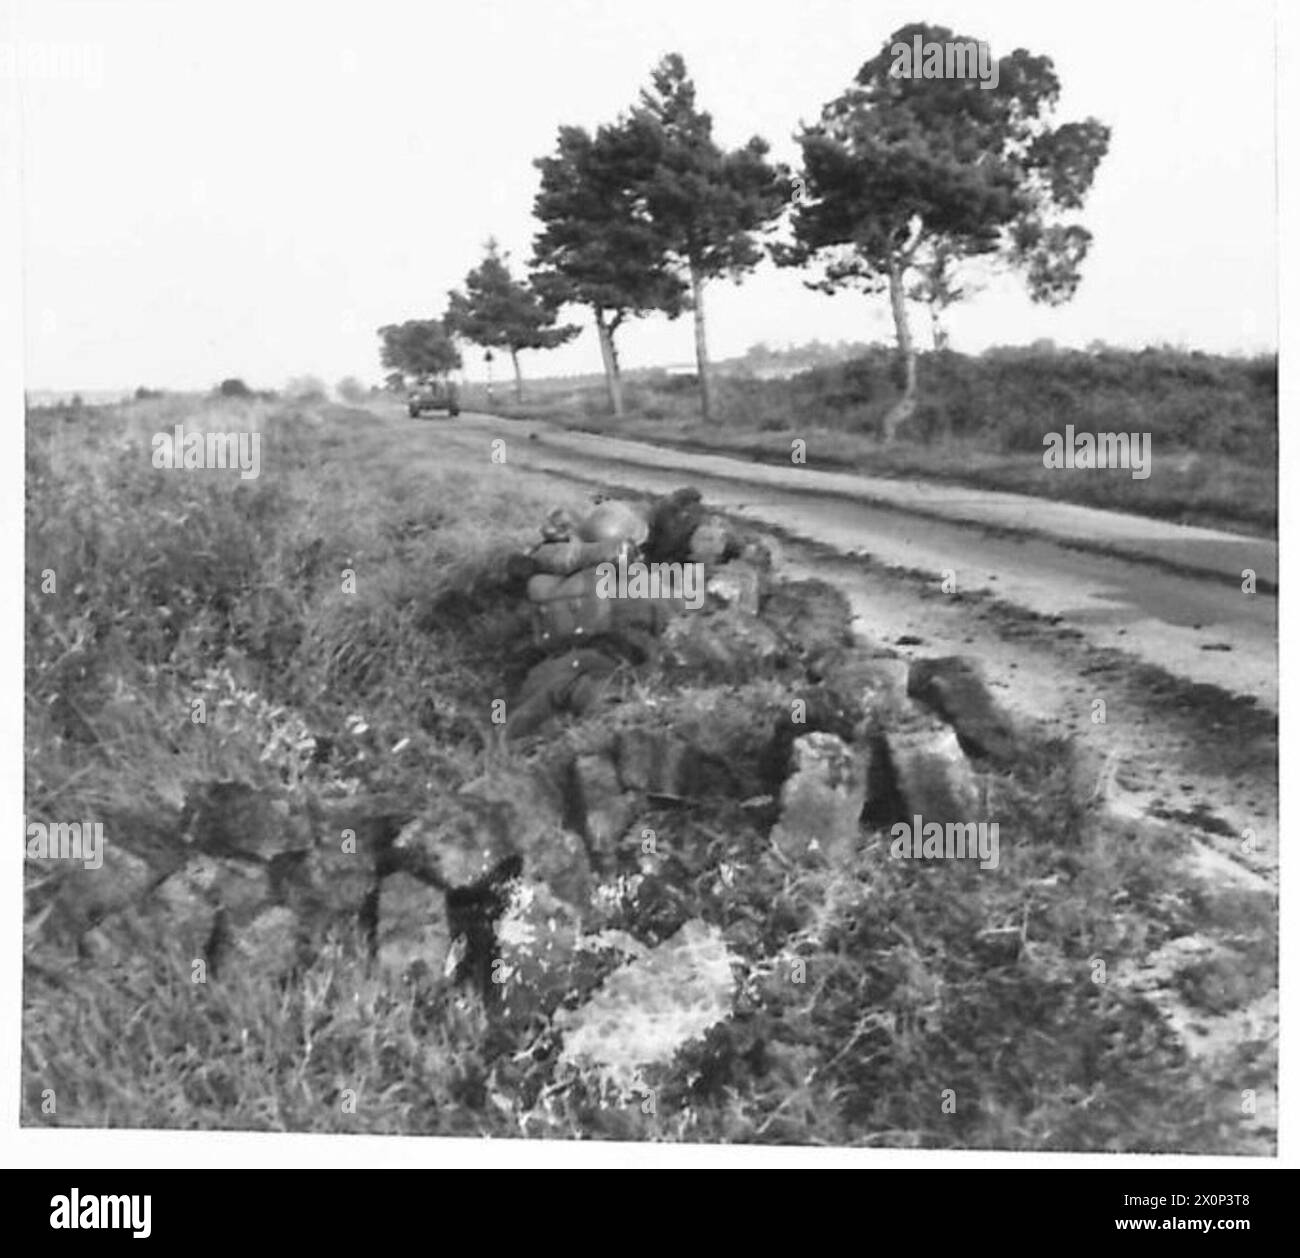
1011 397
306 389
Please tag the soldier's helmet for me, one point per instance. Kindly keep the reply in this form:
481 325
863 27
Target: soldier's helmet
614 521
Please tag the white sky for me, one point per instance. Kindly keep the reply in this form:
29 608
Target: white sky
252 188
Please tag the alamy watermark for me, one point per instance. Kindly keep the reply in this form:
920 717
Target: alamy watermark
180 449
953 59
636 579
125 1213
1102 449
32 62
957 840
65 840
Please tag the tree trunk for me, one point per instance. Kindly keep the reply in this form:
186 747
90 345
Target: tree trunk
609 357
519 378
902 410
701 344
937 334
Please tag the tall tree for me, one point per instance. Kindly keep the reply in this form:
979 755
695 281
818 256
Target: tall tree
598 247
498 311
708 204
419 348
898 165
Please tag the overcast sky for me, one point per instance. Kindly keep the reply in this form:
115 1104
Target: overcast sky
252 188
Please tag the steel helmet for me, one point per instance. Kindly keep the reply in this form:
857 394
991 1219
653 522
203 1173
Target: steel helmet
615 521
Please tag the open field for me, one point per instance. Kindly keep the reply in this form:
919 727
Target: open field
349 618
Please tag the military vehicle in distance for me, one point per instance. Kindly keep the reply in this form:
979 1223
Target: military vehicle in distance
433 395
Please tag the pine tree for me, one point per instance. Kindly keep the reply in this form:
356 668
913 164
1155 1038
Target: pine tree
498 311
